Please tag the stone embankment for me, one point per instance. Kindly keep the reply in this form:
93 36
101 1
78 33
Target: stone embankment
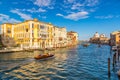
11 50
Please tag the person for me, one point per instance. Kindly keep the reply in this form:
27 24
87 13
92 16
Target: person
40 55
47 54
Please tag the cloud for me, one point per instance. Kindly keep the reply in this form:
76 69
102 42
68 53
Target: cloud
42 3
41 10
82 2
22 15
5 18
59 14
69 1
43 17
33 10
80 5
75 16
107 17
91 2
76 6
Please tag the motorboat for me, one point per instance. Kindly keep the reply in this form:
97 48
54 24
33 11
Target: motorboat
86 44
44 56
114 48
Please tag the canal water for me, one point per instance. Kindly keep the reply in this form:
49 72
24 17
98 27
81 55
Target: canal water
75 63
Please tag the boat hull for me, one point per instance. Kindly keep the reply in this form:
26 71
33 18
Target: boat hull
43 56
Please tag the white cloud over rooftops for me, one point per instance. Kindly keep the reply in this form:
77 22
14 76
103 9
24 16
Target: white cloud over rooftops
22 15
6 18
75 16
107 16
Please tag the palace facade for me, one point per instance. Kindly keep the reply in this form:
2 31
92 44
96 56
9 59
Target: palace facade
37 34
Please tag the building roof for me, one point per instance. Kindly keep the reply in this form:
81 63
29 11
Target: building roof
6 23
72 32
115 32
35 19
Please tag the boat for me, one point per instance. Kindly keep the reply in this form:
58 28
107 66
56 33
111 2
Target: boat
86 45
114 48
44 56
118 73
99 45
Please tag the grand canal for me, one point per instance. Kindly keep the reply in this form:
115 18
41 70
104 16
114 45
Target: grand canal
75 63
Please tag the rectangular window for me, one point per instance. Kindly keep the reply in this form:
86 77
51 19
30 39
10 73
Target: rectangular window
42 26
8 31
26 29
38 26
32 25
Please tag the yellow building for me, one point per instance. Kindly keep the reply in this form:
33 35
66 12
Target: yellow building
7 29
29 34
35 34
7 35
115 38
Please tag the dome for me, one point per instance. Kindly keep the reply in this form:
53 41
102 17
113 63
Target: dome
102 35
96 35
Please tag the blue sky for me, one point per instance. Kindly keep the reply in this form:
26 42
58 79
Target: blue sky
83 16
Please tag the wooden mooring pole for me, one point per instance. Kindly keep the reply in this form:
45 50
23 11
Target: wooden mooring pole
114 59
108 67
118 54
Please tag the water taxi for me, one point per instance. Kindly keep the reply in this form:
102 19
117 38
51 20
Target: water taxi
114 48
86 45
44 56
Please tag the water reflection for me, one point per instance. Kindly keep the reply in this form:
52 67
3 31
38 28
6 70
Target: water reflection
76 63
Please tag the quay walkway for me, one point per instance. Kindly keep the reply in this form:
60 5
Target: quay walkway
11 50
5 50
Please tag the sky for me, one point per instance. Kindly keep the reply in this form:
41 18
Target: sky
82 16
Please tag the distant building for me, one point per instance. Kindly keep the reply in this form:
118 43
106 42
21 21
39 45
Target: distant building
103 39
102 35
115 38
99 39
72 38
96 35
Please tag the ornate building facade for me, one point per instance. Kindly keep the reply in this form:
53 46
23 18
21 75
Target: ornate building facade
36 34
